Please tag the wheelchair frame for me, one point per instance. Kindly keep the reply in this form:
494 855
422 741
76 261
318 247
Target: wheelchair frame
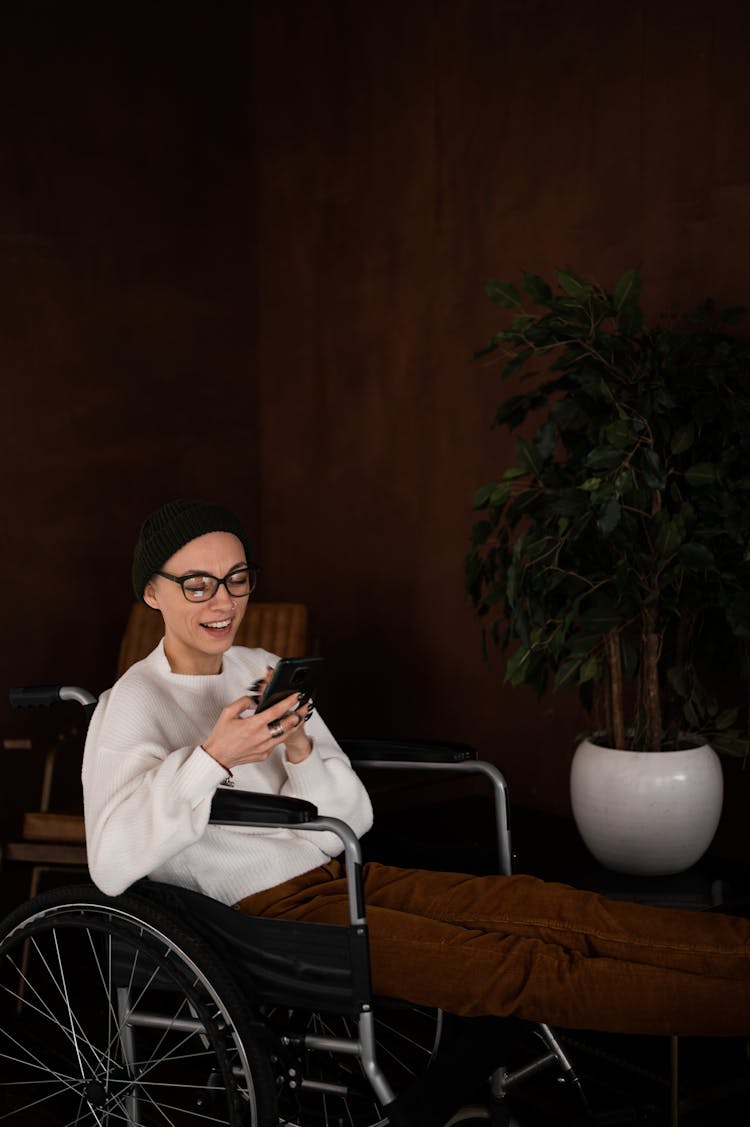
275 974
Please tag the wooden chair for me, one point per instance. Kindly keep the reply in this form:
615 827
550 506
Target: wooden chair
52 840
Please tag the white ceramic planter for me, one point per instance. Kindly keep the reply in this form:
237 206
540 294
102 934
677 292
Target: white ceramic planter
646 812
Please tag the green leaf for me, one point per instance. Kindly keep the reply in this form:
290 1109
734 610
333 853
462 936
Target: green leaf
545 440
628 289
590 485
608 517
537 289
517 669
726 719
589 671
696 557
567 674
683 438
482 496
703 473
480 532
573 286
619 434
528 457
731 743
669 537
653 470
513 472
499 496
517 362
604 458
630 320
502 293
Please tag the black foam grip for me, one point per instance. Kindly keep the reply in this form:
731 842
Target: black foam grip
34 696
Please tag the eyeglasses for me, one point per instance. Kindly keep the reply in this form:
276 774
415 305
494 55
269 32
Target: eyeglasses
199 588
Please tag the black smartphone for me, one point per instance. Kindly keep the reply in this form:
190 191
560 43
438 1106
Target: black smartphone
291 675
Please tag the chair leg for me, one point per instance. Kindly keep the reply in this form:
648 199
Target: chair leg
36 876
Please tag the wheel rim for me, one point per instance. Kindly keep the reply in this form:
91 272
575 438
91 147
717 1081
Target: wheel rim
107 1020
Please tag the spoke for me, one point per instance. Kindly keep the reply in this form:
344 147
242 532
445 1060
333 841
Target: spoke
106 983
403 1036
31 1060
67 1002
64 991
173 1055
36 1103
44 1009
169 1028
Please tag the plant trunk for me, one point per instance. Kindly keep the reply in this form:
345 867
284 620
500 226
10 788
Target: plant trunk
651 702
615 712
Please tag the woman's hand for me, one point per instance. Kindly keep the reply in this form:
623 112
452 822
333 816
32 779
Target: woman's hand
237 739
298 743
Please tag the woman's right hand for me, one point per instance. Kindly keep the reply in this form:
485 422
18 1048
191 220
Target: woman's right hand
237 739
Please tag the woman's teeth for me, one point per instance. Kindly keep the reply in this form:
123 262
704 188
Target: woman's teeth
217 625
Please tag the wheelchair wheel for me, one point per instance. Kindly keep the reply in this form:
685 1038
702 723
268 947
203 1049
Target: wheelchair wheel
111 1014
319 1089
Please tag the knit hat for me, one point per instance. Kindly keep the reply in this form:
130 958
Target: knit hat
171 527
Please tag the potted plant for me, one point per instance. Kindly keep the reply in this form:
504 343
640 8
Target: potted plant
614 554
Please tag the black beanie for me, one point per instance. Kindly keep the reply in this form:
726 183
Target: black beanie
174 525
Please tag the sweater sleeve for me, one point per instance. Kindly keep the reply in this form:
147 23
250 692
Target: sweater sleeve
143 801
327 779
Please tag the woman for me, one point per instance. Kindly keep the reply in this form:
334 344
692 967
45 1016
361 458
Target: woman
182 722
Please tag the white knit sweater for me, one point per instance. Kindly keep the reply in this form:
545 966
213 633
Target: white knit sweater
148 785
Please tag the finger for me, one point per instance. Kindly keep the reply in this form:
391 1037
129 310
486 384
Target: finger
283 727
281 708
240 705
276 732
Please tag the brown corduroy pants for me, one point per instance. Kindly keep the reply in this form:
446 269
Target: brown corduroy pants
540 951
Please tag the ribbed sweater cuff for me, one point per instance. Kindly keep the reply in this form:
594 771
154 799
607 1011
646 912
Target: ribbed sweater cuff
308 776
199 776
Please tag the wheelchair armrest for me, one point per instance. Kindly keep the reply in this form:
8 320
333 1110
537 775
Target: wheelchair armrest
406 751
247 808
416 755
250 808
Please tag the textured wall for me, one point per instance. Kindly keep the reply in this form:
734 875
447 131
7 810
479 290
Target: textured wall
127 235
407 152
242 252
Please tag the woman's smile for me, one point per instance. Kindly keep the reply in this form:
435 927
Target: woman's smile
219 628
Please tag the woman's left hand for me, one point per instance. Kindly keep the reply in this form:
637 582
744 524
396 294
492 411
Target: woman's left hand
297 742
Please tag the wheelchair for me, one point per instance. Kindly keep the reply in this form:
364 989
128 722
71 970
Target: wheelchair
163 1007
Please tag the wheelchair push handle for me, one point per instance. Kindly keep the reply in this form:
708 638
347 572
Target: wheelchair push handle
34 696
41 696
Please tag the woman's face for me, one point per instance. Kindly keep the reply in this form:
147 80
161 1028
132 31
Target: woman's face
197 634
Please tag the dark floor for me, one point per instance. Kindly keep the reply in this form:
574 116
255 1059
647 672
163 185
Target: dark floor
695 1082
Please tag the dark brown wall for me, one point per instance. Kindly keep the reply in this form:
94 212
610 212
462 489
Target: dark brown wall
127 282
407 152
242 252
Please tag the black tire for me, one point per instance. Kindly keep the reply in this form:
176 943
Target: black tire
110 1013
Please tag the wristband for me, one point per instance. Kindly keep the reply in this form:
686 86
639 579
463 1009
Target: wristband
229 781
